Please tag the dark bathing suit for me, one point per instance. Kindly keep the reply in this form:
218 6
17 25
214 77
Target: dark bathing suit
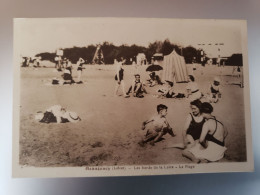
121 75
210 137
80 66
195 128
213 90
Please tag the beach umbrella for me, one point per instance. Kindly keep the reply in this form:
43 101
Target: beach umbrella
153 68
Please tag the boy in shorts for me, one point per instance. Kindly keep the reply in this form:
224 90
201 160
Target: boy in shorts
156 127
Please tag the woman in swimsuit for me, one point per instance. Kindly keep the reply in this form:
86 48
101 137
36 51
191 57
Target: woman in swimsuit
211 144
193 126
80 63
119 77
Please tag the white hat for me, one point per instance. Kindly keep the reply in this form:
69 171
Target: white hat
217 79
74 117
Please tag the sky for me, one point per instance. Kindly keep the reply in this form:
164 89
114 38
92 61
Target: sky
34 36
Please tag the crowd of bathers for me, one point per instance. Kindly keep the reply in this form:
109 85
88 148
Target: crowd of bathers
166 89
203 136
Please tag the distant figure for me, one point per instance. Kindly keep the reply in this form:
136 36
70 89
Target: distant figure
215 93
67 75
57 114
193 92
137 88
193 125
154 80
56 59
236 71
119 77
80 63
135 68
211 144
156 127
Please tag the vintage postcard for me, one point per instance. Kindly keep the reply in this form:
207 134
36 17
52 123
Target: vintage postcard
130 96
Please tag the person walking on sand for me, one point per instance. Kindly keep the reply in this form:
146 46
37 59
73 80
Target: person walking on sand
80 63
119 77
156 127
211 145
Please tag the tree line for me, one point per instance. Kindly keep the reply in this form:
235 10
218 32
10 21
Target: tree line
112 52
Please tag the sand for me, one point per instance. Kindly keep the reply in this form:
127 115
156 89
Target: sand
111 126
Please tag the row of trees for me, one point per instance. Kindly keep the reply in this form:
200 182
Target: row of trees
112 52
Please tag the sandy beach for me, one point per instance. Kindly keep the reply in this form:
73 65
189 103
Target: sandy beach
111 126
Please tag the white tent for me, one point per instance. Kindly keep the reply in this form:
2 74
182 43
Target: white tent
174 68
140 59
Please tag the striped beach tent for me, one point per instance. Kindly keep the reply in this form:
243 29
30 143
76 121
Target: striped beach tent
174 68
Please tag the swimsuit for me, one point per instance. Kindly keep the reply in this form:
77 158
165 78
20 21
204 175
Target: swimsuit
195 128
80 66
121 75
210 137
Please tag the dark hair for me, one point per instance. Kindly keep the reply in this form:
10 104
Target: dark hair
119 59
192 78
216 83
197 103
206 108
161 107
152 74
170 83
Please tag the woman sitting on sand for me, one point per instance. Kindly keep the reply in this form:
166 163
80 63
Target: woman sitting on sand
119 77
211 145
57 114
193 125
193 92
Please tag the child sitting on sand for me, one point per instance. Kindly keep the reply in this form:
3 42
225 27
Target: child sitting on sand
156 127
215 93
57 114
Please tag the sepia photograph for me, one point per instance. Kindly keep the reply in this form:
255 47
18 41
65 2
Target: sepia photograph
130 96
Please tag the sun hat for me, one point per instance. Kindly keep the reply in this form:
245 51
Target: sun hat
74 116
217 79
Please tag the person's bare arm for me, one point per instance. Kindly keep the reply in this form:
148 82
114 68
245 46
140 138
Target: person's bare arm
146 122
